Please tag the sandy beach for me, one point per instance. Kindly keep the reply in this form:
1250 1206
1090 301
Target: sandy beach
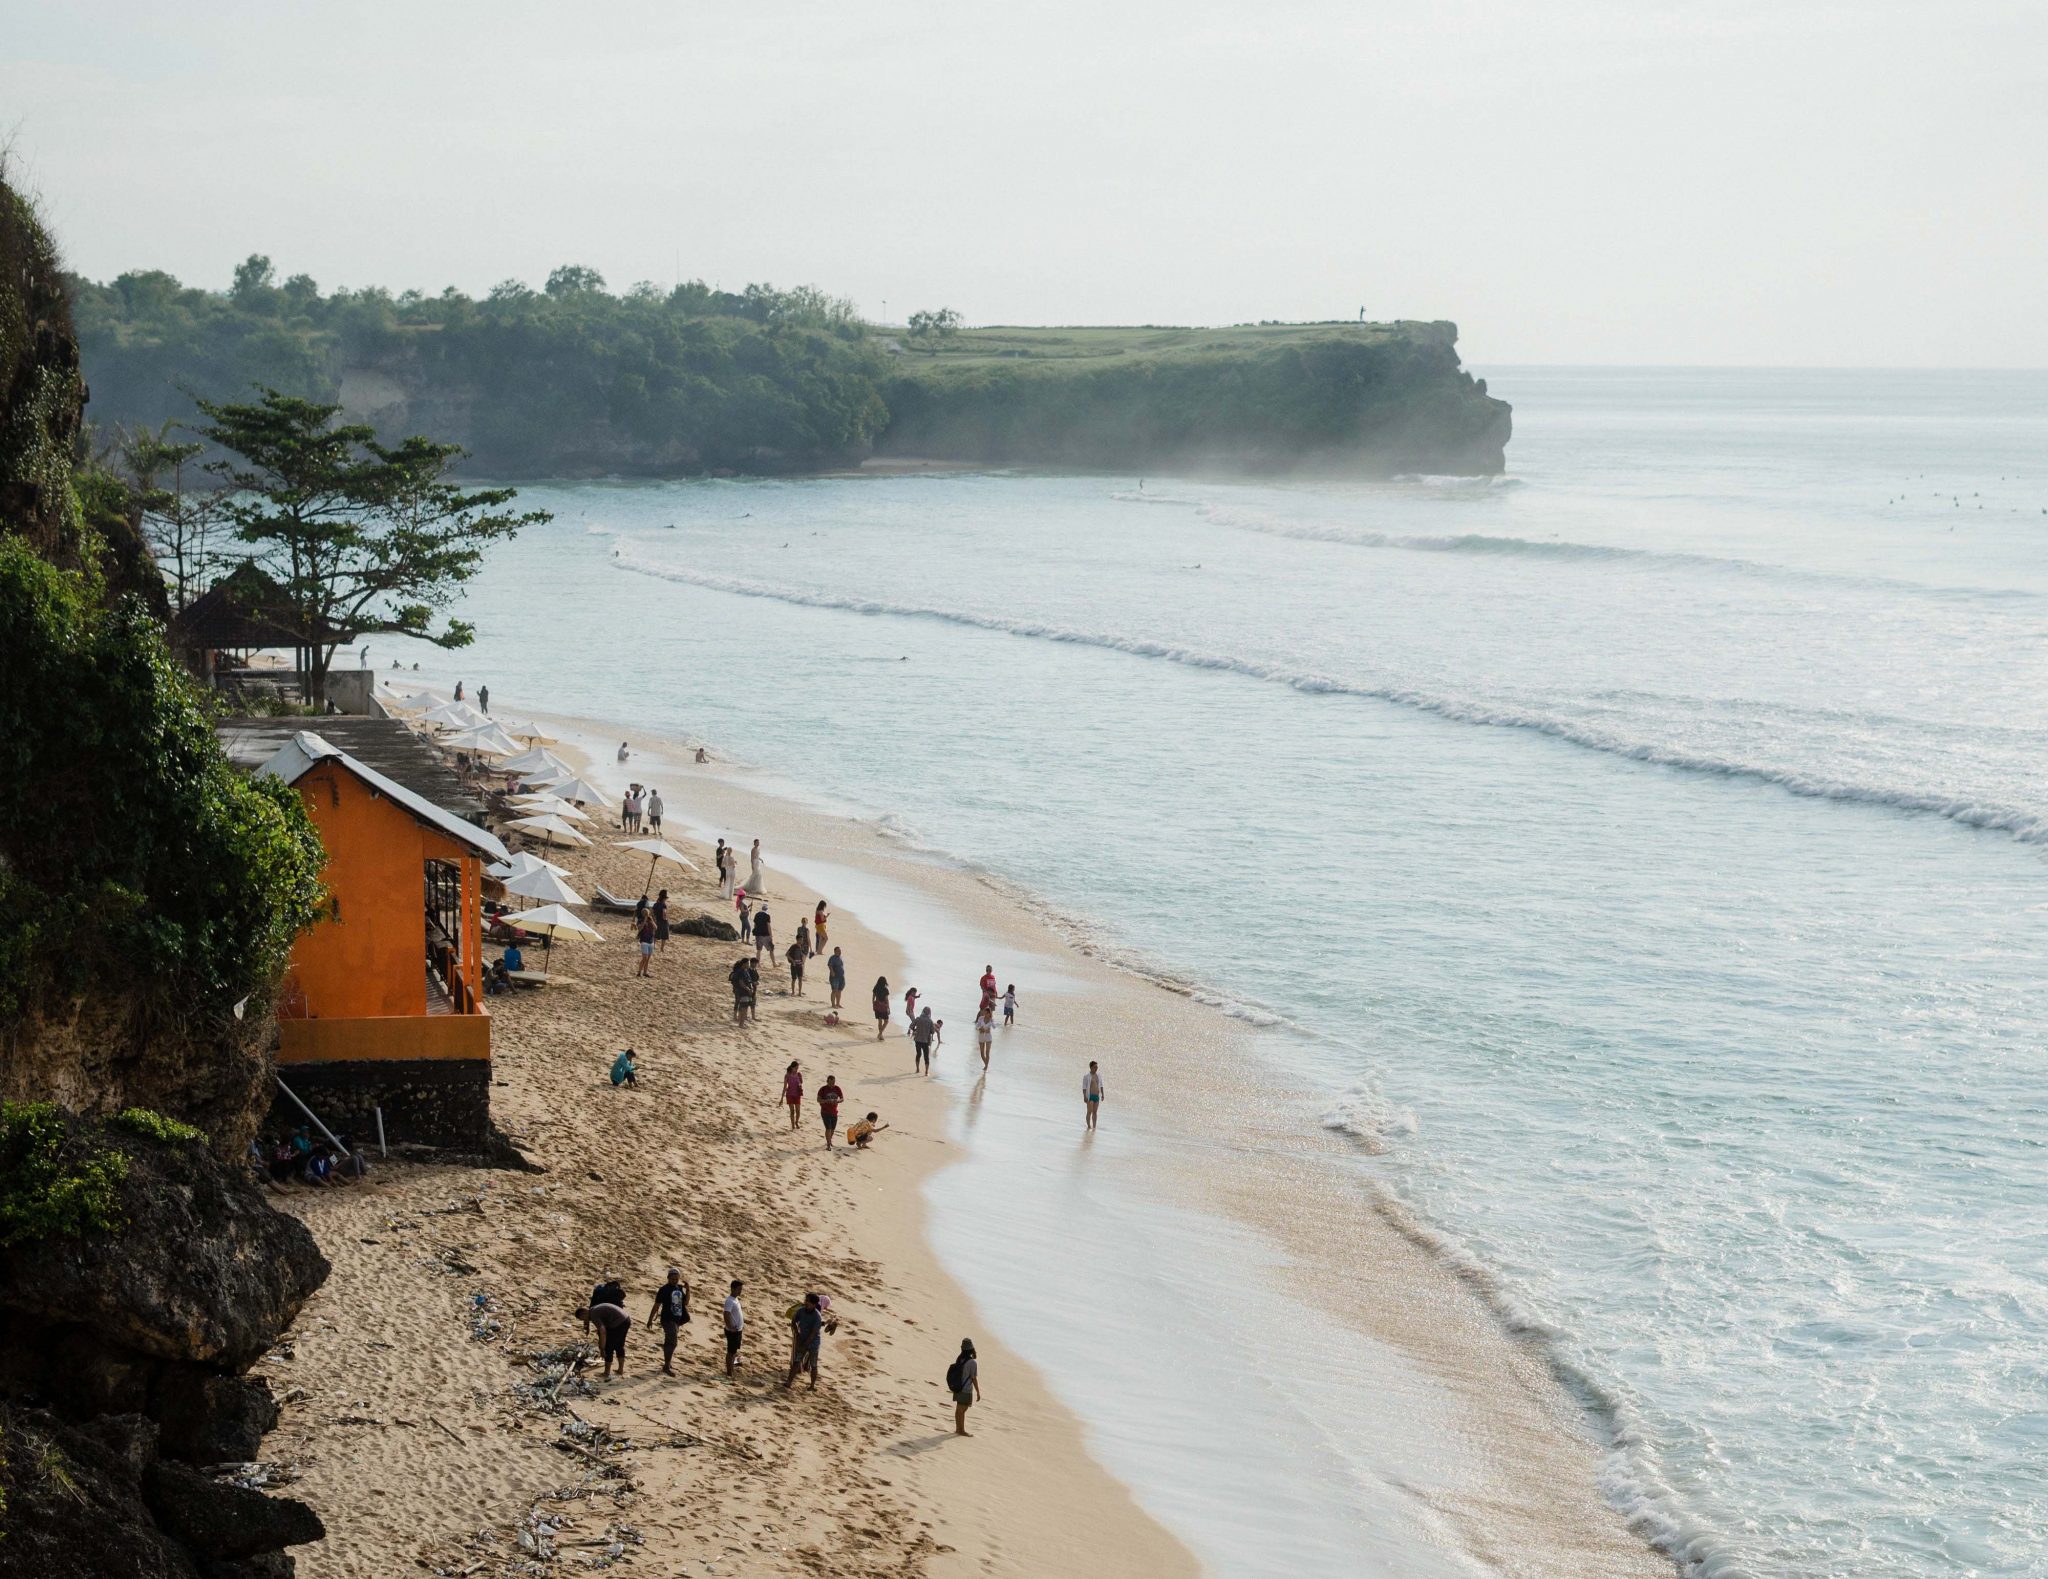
412 1416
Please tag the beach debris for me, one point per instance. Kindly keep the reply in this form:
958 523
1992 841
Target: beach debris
484 1325
256 1475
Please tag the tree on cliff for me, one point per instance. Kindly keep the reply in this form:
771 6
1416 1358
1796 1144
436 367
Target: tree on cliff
361 537
178 520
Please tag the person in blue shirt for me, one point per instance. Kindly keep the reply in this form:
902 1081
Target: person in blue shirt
624 1071
512 958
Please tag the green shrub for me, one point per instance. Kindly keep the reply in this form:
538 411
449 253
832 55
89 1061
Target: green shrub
134 860
54 1182
155 1126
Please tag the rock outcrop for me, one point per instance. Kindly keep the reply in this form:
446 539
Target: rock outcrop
121 1352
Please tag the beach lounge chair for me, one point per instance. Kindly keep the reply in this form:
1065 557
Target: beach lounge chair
607 900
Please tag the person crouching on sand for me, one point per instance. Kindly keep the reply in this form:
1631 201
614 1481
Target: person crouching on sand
861 1134
963 1381
625 1072
612 1326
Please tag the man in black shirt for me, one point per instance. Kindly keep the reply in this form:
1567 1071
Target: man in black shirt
609 1291
672 1310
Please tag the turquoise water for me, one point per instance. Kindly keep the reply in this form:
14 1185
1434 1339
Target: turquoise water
1645 853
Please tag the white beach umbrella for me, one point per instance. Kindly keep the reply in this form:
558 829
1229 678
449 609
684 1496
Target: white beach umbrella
544 803
540 764
659 850
573 788
487 738
522 862
548 920
550 825
543 884
418 700
455 715
527 730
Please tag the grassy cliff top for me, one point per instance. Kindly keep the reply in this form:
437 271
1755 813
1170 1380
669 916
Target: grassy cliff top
1011 346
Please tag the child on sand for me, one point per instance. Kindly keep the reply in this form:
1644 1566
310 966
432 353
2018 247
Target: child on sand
909 1010
865 1131
1009 1005
1091 1091
793 1092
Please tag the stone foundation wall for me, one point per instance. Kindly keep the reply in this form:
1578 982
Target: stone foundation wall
427 1102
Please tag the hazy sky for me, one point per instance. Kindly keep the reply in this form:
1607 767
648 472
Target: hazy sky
1749 181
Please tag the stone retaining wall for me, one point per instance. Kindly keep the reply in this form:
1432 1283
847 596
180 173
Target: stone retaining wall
428 1102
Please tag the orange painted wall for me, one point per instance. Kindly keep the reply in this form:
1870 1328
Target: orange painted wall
368 958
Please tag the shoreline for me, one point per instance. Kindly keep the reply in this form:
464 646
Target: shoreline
1494 1460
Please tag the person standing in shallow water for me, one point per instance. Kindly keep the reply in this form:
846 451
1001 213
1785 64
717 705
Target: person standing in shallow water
1091 1091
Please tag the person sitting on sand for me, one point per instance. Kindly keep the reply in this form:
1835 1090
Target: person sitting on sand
612 1324
623 752
625 1072
881 1007
496 980
865 1131
701 755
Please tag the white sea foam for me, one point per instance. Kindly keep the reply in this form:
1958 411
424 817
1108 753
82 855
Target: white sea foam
2020 823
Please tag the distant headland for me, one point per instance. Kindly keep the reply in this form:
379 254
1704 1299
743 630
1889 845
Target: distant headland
573 380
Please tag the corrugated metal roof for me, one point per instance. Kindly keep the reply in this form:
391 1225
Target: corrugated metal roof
306 750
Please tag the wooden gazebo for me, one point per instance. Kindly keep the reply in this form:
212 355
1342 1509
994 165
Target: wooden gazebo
246 611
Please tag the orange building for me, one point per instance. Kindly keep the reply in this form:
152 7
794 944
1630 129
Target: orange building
389 982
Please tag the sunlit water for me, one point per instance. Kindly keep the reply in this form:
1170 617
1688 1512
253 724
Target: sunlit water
1647 851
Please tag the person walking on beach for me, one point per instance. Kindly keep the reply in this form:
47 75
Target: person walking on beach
724 872
793 1092
795 957
458 690
909 1010
963 1381
922 1030
835 975
483 694
881 1006
1091 1091
1009 1006
806 1338
740 991
984 1032
988 984
829 1098
645 932
661 919
626 810
654 811
672 1310
818 918
735 1326
764 934
612 1325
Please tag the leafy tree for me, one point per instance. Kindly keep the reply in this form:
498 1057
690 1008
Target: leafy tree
254 278
573 279
942 324
360 537
178 521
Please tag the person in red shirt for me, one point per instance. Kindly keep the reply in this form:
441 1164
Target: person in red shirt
829 1098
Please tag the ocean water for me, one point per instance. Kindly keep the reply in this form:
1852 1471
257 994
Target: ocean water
1645 856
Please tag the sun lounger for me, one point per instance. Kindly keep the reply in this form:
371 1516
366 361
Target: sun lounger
607 900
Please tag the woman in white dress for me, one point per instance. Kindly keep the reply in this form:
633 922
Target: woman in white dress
757 882
724 870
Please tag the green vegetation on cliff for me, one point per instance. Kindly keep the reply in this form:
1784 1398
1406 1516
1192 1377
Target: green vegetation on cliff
146 888
55 1182
573 380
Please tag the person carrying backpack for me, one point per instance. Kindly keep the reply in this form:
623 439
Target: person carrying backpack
963 1381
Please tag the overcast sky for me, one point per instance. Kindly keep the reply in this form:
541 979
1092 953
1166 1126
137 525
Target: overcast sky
1724 181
